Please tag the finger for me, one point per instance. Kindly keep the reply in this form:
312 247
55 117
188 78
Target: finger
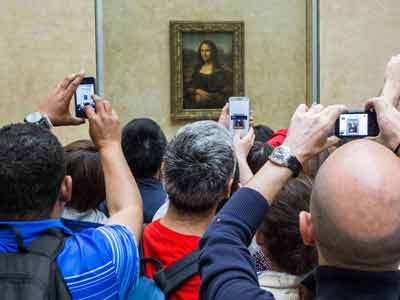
302 108
99 105
331 141
76 121
73 85
225 109
375 104
332 112
316 108
65 82
90 113
107 106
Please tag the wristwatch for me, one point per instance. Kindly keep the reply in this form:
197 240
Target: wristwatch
282 156
39 119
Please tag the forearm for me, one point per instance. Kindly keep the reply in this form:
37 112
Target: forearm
245 173
225 256
122 194
269 180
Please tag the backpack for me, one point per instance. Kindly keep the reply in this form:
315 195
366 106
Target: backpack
165 280
32 272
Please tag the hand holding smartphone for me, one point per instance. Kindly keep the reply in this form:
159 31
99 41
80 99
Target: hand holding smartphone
239 114
356 125
83 96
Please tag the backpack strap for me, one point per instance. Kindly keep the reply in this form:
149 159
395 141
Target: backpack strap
50 243
171 278
18 237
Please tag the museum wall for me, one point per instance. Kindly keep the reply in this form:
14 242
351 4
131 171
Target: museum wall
40 43
357 39
137 57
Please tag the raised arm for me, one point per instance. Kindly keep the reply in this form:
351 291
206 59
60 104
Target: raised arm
391 87
122 194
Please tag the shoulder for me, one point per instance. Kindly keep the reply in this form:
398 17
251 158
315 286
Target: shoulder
100 257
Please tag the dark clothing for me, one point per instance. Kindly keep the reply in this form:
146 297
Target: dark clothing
218 84
227 269
153 196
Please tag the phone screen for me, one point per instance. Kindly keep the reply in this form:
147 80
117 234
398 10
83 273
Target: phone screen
353 125
83 96
239 114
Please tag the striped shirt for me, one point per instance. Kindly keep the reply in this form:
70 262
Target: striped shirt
96 263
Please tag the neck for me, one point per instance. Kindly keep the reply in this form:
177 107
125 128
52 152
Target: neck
188 224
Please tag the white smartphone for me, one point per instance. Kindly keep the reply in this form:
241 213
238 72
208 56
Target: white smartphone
239 114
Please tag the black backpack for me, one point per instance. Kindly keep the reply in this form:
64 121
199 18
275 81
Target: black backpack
32 272
171 278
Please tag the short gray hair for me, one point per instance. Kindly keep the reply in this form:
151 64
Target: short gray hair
198 164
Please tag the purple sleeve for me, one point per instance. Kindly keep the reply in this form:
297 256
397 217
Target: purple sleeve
225 263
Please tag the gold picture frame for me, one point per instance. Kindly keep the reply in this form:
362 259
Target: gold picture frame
207 66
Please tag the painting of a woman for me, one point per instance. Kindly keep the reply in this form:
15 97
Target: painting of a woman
209 84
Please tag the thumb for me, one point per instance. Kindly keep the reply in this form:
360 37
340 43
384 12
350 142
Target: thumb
331 141
76 121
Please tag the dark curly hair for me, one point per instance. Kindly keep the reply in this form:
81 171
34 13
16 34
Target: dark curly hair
258 155
32 168
84 166
281 228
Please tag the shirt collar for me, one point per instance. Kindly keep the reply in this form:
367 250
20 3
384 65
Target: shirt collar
29 230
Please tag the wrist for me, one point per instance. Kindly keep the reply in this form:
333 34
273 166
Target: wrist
109 147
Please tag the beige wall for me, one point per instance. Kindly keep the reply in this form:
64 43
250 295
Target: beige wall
357 39
137 66
40 43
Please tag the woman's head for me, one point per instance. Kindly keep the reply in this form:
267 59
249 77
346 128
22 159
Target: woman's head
207 52
84 166
279 233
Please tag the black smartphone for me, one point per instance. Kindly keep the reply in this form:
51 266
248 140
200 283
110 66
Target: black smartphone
356 125
83 96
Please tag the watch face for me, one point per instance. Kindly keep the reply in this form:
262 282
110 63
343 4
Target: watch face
281 155
34 117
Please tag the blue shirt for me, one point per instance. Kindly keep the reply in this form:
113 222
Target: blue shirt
96 263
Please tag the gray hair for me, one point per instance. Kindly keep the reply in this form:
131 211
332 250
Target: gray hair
198 164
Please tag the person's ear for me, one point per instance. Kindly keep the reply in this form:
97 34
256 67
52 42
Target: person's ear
228 188
260 238
307 228
65 192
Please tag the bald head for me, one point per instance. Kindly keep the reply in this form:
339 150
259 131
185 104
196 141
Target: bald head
356 207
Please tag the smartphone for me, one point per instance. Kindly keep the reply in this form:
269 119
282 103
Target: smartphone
83 96
356 125
239 114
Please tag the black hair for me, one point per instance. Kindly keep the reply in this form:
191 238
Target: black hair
281 228
32 168
214 54
262 133
84 166
258 155
143 144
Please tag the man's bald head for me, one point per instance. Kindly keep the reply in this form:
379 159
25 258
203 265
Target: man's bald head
355 207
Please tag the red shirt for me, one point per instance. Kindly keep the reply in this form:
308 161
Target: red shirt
278 138
168 246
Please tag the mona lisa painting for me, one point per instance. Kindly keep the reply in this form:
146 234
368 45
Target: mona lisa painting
206 67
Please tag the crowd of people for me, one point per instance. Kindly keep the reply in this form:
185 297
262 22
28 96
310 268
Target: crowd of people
290 214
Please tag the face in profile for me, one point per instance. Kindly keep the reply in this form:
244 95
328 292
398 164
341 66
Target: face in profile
205 52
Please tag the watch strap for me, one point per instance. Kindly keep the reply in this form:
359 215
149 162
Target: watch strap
295 166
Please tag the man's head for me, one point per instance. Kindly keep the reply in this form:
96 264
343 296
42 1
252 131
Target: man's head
32 172
198 167
143 143
355 208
